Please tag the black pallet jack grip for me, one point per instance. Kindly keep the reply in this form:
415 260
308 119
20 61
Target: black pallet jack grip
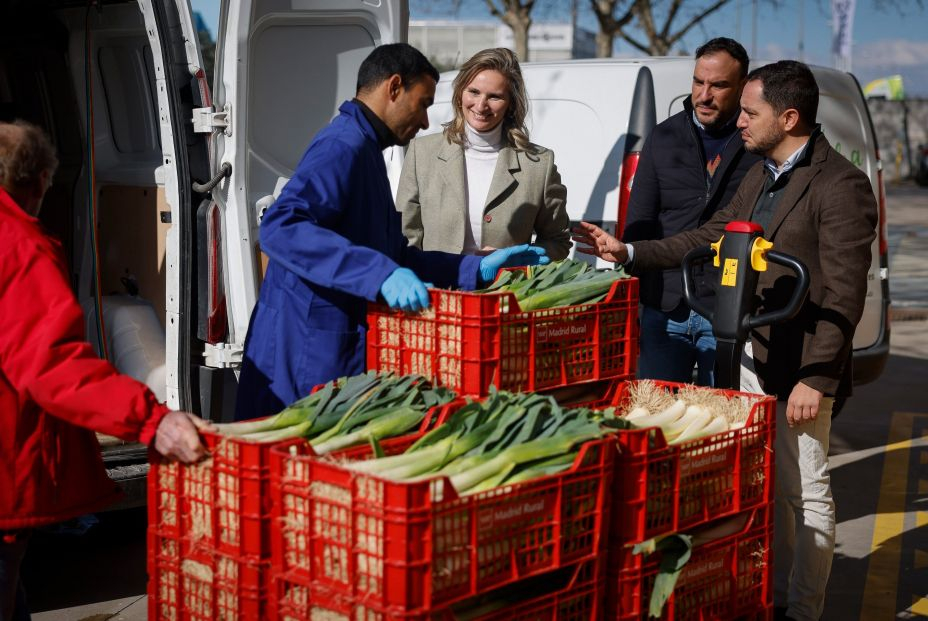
741 254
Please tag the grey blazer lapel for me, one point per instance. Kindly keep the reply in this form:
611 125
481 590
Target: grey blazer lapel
504 177
453 192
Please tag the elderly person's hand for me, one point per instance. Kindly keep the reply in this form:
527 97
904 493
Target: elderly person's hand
599 243
178 438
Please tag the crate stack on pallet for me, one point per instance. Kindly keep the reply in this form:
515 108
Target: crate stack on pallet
272 531
545 540
209 530
353 546
717 489
209 534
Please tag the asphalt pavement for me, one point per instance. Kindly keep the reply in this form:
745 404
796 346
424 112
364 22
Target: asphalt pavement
879 447
879 469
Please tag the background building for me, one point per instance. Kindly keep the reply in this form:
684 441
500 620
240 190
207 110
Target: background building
449 43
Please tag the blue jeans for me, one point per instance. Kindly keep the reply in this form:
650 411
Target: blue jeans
674 342
12 595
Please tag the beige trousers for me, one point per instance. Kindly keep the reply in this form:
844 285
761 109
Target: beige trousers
804 513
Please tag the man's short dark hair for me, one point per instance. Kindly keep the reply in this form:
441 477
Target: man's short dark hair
730 46
394 58
25 153
789 84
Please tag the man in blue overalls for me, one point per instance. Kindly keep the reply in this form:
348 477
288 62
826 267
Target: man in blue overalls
335 241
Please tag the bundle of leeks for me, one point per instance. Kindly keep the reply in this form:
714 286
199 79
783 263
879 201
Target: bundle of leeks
348 411
560 283
507 438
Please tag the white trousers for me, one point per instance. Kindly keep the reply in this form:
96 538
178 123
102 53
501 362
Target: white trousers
804 513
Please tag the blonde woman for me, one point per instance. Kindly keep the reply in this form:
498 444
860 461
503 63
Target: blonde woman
480 184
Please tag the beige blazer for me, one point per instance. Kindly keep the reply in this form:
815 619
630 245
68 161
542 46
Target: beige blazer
526 197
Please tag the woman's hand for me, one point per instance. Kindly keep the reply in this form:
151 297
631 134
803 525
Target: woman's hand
599 243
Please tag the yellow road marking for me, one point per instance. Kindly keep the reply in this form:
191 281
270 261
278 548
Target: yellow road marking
879 601
921 517
919 606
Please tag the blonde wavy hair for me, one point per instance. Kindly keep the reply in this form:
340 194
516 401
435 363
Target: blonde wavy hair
500 59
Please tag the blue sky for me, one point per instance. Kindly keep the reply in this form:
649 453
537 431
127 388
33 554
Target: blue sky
886 41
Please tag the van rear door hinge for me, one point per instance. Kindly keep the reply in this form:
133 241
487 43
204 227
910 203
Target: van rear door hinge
206 120
223 355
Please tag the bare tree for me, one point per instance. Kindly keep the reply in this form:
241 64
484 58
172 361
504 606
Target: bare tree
517 14
657 25
609 25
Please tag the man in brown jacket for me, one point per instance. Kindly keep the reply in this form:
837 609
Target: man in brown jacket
815 205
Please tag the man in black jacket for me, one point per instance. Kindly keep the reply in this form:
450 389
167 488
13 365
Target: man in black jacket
690 167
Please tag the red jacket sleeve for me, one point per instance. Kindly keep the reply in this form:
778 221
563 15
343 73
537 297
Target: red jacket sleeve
44 355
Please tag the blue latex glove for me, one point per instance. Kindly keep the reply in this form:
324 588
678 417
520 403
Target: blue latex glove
402 289
514 256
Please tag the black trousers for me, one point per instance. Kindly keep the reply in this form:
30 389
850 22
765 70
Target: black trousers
13 605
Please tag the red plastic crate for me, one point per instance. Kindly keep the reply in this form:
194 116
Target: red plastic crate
661 488
414 546
221 503
187 582
729 578
224 503
575 593
468 341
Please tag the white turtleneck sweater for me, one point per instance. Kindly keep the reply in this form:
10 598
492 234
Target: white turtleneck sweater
480 155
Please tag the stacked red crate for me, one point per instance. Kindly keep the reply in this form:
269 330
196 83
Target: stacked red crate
470 341
352 544
726 578
209 533
209 553
663 488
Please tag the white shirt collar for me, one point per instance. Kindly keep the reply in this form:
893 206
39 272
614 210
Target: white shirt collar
787 165
696 121
731 121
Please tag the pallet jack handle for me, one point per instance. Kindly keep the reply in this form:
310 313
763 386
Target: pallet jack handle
741 254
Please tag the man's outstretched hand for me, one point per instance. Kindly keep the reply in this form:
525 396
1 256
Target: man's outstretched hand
593 240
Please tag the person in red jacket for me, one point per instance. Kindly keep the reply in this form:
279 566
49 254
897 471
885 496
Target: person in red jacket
54 391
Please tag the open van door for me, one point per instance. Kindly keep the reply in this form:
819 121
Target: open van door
114 85
282 70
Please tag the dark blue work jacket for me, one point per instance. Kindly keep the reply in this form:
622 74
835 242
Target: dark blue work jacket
333 237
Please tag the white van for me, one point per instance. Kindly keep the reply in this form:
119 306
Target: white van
174 179
119 87
596 114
